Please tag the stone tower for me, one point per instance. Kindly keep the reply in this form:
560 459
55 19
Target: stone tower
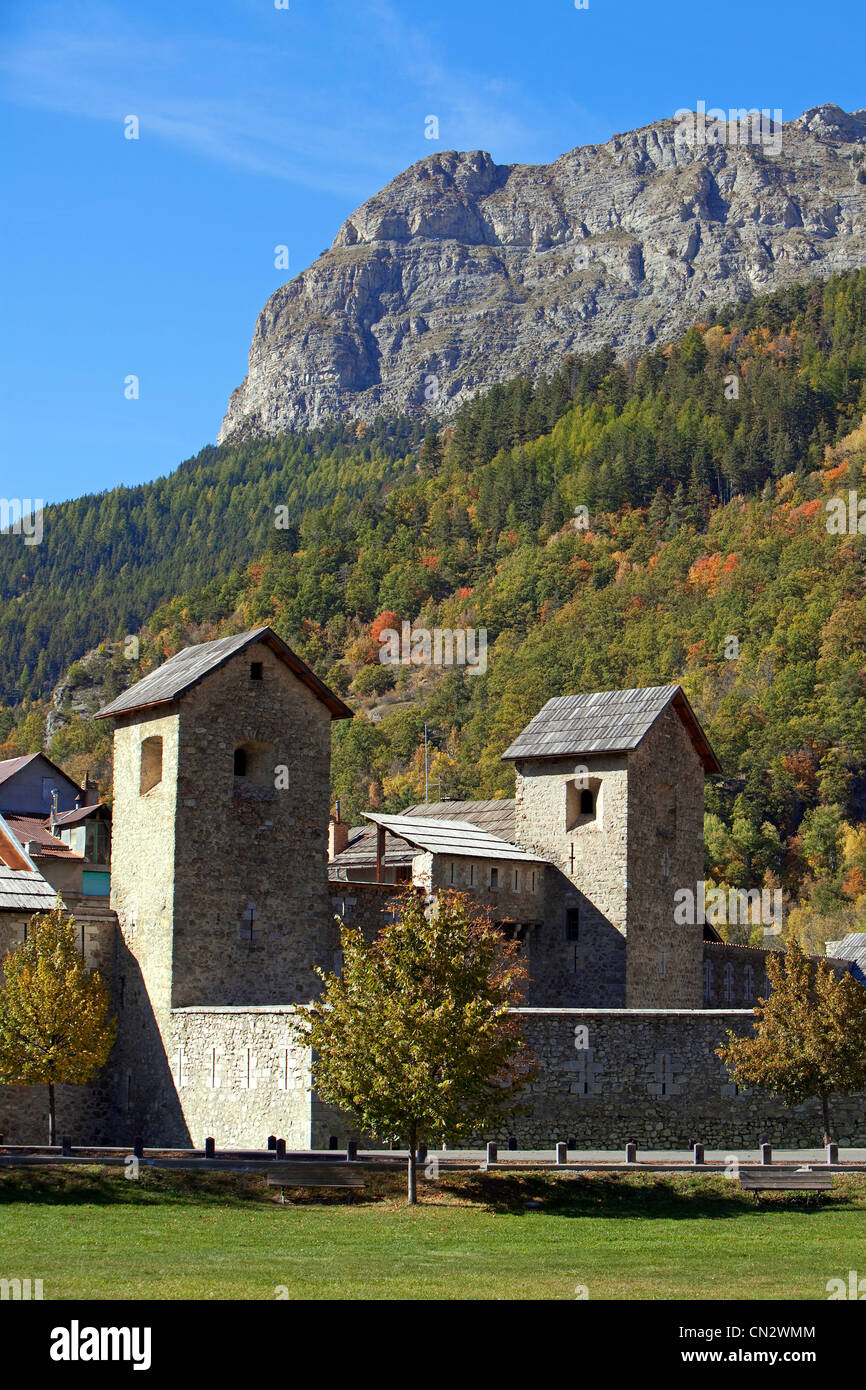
610 791
219 878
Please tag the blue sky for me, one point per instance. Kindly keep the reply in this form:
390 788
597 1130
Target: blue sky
262 127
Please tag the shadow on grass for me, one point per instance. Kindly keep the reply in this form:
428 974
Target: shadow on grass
644 1196
625 1196
109 1187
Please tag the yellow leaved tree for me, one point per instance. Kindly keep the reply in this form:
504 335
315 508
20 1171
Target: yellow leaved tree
54 1012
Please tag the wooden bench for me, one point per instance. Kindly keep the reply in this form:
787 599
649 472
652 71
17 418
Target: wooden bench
757 1180
284 1175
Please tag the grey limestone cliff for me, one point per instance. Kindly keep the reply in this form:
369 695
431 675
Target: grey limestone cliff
463 272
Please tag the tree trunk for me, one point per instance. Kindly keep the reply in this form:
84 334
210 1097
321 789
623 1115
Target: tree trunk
825 1111
412 1197
52 1115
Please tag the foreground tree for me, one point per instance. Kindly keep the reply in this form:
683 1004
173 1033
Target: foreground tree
810 1034
416 1040
54 1023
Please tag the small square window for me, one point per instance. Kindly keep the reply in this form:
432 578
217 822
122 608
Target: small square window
256 669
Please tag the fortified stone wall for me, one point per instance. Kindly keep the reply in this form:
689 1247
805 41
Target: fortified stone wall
361 905
666 852
733 976
608 1076
240 1075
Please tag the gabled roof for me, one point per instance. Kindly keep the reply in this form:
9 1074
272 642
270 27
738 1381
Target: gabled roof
25 890
185 670
360 852
82 813
440 836
495 816
11 766
22 887
34 830
606 721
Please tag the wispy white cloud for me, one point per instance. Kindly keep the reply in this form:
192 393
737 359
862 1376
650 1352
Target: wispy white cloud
299 99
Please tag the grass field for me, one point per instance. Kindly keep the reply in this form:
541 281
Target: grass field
91 1233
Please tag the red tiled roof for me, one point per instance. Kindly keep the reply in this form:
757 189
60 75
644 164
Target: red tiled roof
34 829
80 813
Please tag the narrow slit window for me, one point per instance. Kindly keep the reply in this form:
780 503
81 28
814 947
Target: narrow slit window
240 762
256 669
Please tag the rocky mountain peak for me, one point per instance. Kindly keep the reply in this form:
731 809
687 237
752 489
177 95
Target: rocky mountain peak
463 272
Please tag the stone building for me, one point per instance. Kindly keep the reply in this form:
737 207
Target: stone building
228 876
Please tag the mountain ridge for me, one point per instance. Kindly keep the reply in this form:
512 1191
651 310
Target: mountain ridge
462 272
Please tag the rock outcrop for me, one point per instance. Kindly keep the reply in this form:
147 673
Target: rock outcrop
463 272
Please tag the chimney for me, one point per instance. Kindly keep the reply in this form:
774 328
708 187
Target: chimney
90 789
338 835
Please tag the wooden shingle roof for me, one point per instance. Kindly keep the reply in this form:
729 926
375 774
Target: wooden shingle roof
606 721
22 887
25 890
185 670
440 836
496 815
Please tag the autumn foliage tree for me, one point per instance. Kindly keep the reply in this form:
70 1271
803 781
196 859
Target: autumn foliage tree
416 1040
54 1012
810 1034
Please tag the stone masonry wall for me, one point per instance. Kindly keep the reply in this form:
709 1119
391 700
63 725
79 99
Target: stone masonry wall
247 840
587 871
608 1076
665 853
733 976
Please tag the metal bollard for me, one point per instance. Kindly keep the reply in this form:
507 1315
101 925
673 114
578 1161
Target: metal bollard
561 1154
766 1153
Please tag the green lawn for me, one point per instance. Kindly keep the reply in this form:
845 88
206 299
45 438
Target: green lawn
90 1233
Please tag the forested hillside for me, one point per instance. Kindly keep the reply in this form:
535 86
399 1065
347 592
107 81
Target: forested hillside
612 526
107 559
